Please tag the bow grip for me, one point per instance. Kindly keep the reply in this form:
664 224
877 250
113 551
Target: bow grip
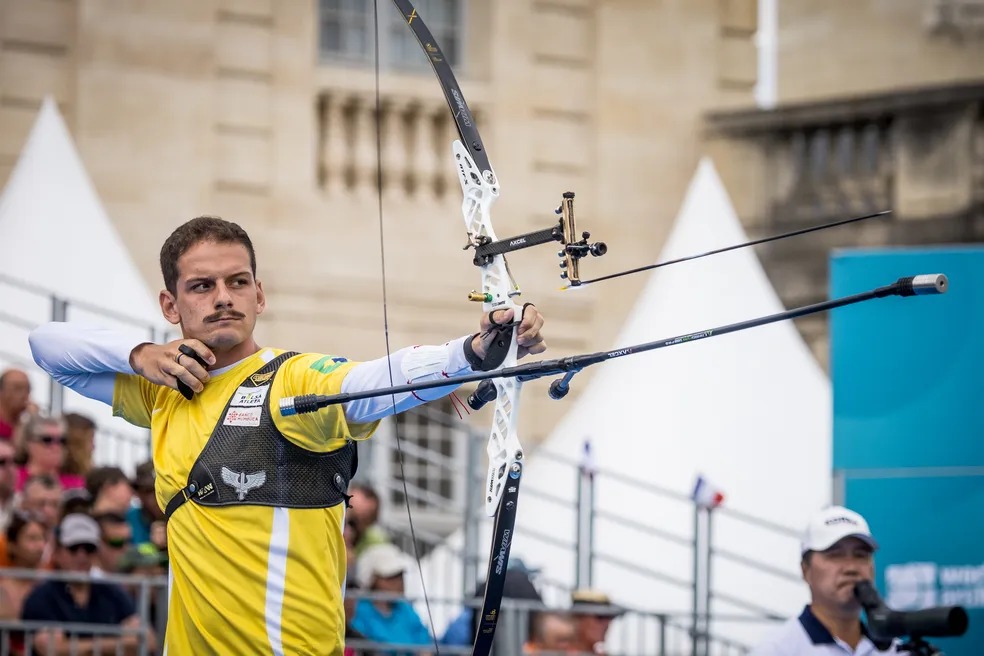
497 343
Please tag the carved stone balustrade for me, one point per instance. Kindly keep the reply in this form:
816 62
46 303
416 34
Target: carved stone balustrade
917 152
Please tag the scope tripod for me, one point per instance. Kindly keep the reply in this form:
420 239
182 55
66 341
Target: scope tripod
916 646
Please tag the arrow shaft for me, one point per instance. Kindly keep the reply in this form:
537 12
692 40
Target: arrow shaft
725 249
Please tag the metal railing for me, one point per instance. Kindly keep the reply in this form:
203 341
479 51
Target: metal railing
634 632
713 608
149 595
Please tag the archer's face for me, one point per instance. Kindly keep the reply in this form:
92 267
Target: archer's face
217 299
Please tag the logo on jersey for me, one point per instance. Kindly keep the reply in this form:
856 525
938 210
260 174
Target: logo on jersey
259 379
328 364
242 482
243 417
249 397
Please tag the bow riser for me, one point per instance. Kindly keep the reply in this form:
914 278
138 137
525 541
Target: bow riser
503 448
499 291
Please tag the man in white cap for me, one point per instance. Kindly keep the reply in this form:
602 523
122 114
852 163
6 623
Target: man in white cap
837 551
380 570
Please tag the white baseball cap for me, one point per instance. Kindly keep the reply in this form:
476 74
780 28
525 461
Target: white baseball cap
379 560
833 524
78 528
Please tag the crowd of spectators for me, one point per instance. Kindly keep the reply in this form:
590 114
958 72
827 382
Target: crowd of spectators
60 515
377 567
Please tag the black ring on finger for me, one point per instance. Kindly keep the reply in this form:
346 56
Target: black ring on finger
177 358
191 353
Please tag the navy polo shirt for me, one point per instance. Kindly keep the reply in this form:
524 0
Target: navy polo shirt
806 636
52 602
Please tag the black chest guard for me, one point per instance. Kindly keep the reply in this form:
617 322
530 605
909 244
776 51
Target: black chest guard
247 461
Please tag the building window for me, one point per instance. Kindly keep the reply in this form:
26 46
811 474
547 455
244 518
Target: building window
434 446
346 33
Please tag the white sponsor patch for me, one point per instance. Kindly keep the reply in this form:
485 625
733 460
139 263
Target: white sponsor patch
243 417
249 397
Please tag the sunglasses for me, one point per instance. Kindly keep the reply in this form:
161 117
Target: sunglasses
90 549
48 440
116 543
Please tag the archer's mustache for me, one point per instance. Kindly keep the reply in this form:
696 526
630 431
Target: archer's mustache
224 315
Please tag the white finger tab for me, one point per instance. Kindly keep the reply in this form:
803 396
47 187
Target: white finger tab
424 361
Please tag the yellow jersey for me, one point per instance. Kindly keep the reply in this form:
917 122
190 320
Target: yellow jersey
247 579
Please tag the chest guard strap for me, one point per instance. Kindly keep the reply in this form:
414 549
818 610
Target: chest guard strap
247 461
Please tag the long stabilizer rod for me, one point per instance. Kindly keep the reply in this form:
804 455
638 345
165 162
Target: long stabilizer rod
921 285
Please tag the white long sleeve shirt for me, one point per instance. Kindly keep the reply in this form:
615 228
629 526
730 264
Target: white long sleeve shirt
86 358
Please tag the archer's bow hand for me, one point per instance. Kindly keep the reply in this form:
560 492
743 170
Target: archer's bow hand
488 346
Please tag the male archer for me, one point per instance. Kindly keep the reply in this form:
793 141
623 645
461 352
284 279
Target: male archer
255 500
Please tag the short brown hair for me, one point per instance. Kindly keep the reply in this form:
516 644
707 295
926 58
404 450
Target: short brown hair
78 422
18 522
197 230
101 477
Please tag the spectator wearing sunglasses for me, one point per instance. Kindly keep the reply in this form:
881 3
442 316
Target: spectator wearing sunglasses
77 539
115 535
26 540
8 483
44 442
110 490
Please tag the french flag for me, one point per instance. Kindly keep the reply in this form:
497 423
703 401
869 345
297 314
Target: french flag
706 494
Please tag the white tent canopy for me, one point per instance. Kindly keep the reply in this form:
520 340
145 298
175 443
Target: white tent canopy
751 411
56 236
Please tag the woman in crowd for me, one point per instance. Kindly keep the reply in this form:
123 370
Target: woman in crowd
26 540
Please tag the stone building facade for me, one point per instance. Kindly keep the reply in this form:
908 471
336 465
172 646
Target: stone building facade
241 108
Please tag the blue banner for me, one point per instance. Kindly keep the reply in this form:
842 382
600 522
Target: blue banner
908 442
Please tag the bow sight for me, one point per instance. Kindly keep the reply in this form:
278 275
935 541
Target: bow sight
565 232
